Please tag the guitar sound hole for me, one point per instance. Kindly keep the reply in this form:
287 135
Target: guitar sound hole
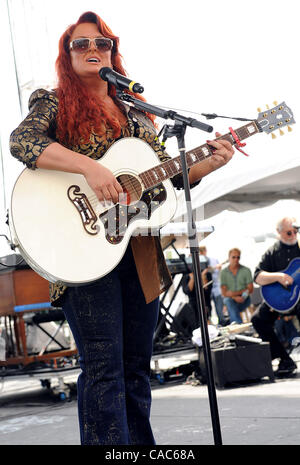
132 189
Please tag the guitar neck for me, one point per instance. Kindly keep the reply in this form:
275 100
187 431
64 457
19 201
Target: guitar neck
172 167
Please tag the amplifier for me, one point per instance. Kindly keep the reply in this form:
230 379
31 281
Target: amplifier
237 364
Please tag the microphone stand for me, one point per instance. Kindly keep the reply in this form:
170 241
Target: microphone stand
178 130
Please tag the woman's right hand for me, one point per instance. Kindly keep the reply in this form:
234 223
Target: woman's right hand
100 179
103 182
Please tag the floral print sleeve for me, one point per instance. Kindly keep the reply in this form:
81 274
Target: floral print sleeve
37 131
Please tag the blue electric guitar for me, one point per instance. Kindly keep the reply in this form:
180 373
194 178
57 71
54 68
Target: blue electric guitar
280 298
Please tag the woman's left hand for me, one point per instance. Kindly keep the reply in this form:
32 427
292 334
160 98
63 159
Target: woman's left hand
222 154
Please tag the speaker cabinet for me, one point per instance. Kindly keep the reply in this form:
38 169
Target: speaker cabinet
237 364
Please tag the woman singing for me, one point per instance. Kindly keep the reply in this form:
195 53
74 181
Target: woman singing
112 319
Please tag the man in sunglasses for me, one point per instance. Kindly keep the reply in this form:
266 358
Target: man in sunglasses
268 271
236 285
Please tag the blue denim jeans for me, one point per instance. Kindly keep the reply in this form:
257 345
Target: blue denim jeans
219 303
113 329
235 308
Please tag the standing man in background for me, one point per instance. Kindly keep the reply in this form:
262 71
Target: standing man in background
213 270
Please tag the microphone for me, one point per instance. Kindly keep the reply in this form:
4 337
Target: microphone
120 81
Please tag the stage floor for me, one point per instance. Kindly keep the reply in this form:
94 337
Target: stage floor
260 413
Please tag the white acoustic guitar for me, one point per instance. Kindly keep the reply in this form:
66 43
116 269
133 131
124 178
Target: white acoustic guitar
66 235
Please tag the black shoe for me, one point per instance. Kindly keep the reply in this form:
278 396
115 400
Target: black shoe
286 368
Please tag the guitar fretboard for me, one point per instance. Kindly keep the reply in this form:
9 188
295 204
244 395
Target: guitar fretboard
172 167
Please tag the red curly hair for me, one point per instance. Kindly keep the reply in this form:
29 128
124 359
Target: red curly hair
80 111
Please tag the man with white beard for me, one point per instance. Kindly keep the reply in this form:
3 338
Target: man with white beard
270 270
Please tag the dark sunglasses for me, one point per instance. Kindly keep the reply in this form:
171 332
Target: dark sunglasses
289 233
236 256
103 44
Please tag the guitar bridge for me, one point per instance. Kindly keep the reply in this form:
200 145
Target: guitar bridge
117 219
85 210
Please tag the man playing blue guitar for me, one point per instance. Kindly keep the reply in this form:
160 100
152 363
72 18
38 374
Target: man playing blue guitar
276 273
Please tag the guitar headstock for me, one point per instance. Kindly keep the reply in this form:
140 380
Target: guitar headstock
275 118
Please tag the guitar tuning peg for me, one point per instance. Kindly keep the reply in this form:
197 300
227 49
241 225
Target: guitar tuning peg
275 102
268 108
273 135
289 129
259 110
281 132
